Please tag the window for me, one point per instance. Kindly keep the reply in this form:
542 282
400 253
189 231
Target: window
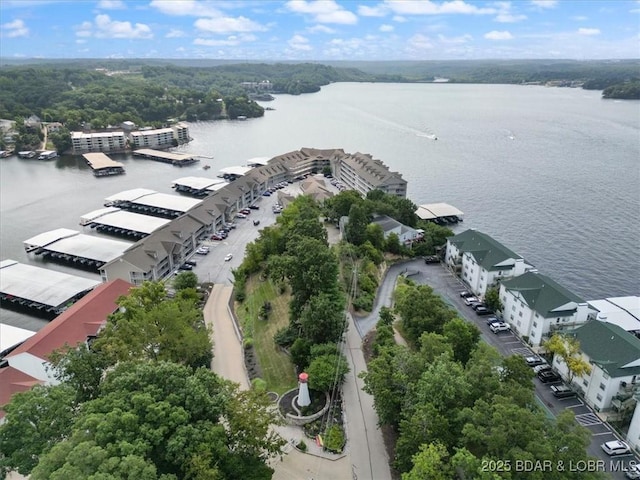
513 309
602 386
599 397
535 324
511 317
519 323
585 382
520 314
606 377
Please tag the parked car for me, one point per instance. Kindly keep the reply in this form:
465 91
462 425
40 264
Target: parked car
216 237
246 211
549 376
615 447
482 310
193 263
541 368
185 266
256 223
470 300
228 257
534 360
241 215
431 259
633 472
266 194
254 207
465 294
477 305
202 251
499 327
492 319
562 391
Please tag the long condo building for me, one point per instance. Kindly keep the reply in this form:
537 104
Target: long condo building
98 142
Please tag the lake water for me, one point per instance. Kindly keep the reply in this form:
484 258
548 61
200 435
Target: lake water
552 173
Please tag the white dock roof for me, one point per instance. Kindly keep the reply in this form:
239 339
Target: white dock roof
114 217
150 198
10 336
436 210
258 161
623 311
200 183
237 170
41 285
176 157
72 242
99 160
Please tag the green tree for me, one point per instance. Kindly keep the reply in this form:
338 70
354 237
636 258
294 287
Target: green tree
35 421
339 205
184 280
567 350
430 462
163 419
356 229
463 337
327 372
492 299
392 244
322 319
375 235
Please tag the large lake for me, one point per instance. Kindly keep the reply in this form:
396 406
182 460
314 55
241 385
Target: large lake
552 173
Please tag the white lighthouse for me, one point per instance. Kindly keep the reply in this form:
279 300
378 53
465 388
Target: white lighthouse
303 390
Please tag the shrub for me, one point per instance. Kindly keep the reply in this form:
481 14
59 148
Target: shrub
247 343
334 439
302 446
259 385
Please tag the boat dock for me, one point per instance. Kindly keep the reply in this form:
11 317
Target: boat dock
75 249
441 213
102 165
47 155
150 202
40 291
178 159
113 221
27 154
198 186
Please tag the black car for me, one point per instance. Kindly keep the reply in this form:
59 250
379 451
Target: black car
431 259
481 310
254 207
562 391
549 376
465 294
477 305
185 267
193 263
256 222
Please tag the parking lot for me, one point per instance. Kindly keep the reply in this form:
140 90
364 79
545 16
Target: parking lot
507 343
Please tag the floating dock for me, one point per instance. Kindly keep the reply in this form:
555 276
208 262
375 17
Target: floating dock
198 186
40 291
441 213
75 249
102 165
150 202
178 159
113 221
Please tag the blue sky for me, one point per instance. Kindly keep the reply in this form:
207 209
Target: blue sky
320 30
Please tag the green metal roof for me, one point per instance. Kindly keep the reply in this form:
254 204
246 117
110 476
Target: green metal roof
545 296
610 347
490 254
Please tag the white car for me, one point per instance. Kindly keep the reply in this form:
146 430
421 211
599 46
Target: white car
499 327
202 251
615 447
241 215
633 472
470 300
228 257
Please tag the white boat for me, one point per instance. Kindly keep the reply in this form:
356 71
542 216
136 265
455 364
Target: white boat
27 154
241 117
48 155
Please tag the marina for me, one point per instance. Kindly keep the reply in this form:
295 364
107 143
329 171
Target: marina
48 155
40 291
198 186
75 249
177 159
117 222
150 202
27 154
102 165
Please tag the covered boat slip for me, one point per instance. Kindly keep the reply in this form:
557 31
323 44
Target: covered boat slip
198 186
39 290
178 159
113 221
102 165
231 173
439 213
75 249
150 202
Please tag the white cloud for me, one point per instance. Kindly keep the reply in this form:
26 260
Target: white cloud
14 29
367 11
509 18
185 8
455 40
107 28
175 33
298 42
589 31
496 35
545 3
111 5
420 42
228 25
427 7
323 11
386 28
579 18
320 29
399 19
230 41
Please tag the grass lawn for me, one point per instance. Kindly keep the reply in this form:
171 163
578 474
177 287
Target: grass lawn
277 369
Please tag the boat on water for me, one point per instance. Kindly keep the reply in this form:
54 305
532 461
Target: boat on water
27 154
242 117
5 153
48 155
206 167
432 137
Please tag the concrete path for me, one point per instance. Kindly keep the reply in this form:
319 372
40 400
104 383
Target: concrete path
365 442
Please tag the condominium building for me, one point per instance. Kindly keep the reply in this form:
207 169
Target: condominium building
98 142
160 137
362 173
